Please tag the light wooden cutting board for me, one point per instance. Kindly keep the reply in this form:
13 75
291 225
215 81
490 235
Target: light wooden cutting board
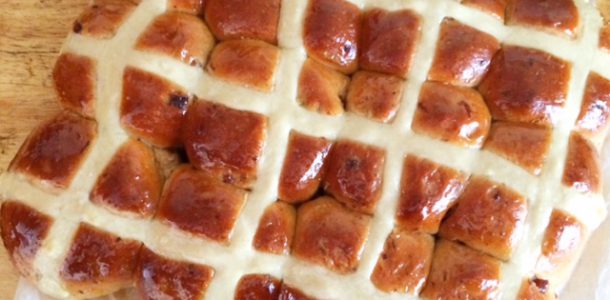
31 34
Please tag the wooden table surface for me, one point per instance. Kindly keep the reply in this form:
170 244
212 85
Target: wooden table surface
31 34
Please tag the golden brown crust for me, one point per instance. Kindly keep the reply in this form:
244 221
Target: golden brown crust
514 92
99 263
582 169
201 205
75 81
427 191
157 277
603 6
557 16
303 167
535 289
404 264
244 19
290 293
453 114
389 40
23 229
130 182
276 229
563 237
463 54
494 7
330 235
321 89
481 226
152 108
354 174
56 149
488 217
225 142
604 37
250 63
459 272
374 95
179 35
524 144
258 287
102 19
331 33
595 108
194 7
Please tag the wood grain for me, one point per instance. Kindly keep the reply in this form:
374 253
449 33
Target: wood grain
31 34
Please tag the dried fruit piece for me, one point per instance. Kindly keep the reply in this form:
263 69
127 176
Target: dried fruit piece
153 108
104 17
536 289
354 174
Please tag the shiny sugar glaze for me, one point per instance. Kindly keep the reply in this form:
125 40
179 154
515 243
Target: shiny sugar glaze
130 182
198 203
98 262
23 231
55 150
428 190
75 81
302 171
161 278
227 143
321 149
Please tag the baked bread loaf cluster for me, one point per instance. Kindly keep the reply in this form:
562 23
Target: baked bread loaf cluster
319 149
